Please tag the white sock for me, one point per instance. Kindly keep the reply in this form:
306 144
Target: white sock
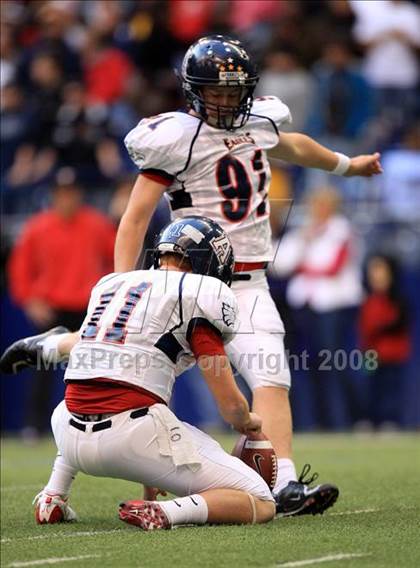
61 478
191 510
285 472
50 352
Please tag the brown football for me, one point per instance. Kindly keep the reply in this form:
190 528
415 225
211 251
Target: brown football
256 451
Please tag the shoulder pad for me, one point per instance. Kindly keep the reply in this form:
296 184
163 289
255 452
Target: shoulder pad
271 109
214 301
161 142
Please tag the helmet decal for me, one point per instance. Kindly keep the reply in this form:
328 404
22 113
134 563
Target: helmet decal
196 235
221 246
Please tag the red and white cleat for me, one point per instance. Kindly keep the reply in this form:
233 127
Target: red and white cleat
148 515
52 509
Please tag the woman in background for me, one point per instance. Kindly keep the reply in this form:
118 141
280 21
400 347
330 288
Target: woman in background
384 327
321 260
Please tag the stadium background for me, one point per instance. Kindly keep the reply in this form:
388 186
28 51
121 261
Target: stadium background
113 62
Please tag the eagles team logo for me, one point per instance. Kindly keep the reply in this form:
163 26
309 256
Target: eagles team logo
228 314
221 247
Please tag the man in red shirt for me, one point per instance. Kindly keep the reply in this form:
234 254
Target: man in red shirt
59 256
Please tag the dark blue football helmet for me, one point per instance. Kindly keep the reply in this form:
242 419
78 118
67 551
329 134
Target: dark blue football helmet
200 240
219 61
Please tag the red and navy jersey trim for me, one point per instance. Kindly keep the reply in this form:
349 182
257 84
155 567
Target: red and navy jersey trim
169 345
180 198
159 176
203 323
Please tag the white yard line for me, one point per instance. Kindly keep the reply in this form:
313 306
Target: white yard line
44 561
321 559
60 535
357 512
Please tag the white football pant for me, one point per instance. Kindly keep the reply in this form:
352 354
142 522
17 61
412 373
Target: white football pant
257 350
129 450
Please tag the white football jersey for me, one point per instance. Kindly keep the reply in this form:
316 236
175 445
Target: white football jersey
139 323
215 173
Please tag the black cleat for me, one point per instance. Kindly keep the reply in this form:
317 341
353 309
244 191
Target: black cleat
26 352
297 498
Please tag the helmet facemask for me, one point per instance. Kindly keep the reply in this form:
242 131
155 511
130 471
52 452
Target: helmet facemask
220 116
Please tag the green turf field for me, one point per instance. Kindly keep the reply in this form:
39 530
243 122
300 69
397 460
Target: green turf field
375 523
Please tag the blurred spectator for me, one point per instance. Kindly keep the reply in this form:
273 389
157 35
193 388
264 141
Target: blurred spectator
195 18
247 15
383 327
60 255
127 110
120 197
31 154
15 123
8 56
322 21
281 31
149 39
46 83
343 101
106 69
323 292
285 78
103 16
53 33
401 178
82 136
389 32
29 168
75 131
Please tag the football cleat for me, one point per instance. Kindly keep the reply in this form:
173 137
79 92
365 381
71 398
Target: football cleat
148 515
51 509
297 498
26 352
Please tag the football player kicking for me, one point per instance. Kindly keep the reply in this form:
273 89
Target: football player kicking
142 329
212 161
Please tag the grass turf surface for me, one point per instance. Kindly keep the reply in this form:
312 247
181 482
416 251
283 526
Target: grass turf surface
376 474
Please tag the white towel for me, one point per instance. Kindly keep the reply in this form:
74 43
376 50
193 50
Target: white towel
173 438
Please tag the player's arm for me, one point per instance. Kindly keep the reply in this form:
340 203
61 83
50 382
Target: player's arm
133 226
232 405
302 150
207 335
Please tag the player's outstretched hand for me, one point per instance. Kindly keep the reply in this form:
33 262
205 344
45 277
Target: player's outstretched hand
365 165
151 493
